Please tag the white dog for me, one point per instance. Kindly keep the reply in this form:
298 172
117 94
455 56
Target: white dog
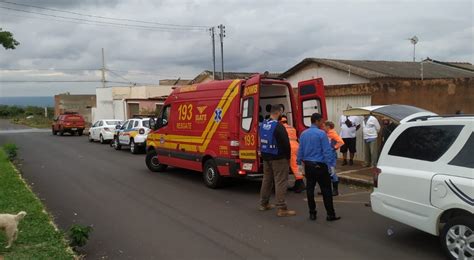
9 223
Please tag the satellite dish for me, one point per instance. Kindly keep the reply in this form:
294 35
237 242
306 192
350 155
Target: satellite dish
414 40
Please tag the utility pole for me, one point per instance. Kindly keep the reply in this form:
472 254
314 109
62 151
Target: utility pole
213 38
103 68
221 36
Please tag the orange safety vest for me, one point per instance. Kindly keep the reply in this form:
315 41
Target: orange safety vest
291 133
294 150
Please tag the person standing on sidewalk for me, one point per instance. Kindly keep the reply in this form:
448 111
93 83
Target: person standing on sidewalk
314 156
291 131
336 142
370 128
276 153
349 126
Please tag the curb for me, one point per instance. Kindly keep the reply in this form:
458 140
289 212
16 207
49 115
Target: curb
353 180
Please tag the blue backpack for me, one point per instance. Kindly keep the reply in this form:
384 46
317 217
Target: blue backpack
267 138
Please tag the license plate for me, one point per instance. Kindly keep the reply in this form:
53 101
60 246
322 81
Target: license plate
73 129
247 166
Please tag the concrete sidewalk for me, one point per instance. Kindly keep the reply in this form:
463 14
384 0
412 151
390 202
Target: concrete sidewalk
355 174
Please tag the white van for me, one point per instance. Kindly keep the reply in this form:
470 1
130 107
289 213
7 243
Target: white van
425 178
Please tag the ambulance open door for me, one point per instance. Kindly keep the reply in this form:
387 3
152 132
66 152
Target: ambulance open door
249 124
311 99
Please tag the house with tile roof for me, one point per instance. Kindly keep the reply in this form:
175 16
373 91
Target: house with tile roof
341 72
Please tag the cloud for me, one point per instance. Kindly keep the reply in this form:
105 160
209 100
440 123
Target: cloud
260 35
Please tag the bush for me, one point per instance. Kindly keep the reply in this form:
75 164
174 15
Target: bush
11 150
79 235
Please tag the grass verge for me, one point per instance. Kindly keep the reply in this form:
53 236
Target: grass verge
37 237
35 122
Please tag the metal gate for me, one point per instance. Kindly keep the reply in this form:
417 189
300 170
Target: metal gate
335 107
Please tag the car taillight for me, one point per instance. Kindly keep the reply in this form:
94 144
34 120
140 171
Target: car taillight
377 172
234 148
141 131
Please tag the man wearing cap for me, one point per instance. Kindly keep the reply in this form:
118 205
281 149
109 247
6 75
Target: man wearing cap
276 153
315 154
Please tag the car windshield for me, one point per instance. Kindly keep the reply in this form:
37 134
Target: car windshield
112 122
146 123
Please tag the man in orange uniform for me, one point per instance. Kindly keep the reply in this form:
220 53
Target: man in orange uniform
299 183
336 142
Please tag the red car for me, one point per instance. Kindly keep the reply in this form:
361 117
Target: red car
69 122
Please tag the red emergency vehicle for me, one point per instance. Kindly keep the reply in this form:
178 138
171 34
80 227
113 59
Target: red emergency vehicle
213 127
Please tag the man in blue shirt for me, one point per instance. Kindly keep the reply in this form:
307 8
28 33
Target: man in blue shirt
314 155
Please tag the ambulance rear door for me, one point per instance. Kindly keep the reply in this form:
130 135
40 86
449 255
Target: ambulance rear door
311 99
248 144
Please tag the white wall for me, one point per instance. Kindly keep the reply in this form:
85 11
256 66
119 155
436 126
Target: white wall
335 107
330 76
104 107
111 100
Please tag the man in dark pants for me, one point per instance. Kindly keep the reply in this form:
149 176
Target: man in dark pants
276 153
316 154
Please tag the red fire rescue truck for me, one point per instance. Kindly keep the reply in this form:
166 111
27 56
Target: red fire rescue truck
213 127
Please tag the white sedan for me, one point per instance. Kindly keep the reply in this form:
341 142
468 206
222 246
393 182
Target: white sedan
103 130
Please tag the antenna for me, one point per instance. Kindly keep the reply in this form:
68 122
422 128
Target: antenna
414 40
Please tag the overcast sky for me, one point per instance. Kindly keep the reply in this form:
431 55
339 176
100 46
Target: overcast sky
261 35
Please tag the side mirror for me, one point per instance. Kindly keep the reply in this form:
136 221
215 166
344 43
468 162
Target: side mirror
118 127
152 123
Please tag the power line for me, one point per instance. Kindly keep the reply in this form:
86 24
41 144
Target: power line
108 23
118 75
50 69
75 22
47 81
103 17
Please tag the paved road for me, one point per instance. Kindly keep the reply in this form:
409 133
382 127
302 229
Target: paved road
141 215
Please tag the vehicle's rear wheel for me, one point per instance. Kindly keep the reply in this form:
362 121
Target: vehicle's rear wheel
61 132
80 132
116 144
134 147
457 238
90 138
153 163
54 132
211 175
101 139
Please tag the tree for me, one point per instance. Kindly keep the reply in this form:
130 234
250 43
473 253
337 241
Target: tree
7 40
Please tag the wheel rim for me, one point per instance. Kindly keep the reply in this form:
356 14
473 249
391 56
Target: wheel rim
154 161
210 174
460 242
132 146
101 139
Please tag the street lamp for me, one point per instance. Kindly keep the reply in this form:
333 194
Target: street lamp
414 41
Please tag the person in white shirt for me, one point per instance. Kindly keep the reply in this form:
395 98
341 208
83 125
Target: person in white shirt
370 129
349 126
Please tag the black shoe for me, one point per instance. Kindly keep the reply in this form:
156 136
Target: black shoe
332 218
335 188
299 186
312 216
351 162
344 162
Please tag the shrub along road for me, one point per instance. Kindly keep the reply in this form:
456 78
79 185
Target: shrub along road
172 215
